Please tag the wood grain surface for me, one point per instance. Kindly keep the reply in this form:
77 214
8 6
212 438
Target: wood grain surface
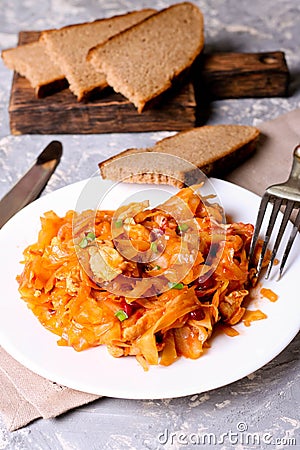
214 76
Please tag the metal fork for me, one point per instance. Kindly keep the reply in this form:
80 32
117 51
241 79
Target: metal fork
284 196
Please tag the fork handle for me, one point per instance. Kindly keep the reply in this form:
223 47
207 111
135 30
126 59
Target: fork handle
295 171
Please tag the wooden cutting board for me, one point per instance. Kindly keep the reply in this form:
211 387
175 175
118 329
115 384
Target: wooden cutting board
215 76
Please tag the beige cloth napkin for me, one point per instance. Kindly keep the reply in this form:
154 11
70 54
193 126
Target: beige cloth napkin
272 161
25 396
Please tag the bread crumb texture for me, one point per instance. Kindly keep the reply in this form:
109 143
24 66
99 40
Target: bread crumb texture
68 47
32 61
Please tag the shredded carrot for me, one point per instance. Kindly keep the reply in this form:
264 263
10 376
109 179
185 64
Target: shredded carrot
251 316
122 278
230 331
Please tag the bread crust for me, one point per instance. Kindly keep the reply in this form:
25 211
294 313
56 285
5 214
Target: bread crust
59 82
146 101
50 81
83 92
214 165
204 128
104 19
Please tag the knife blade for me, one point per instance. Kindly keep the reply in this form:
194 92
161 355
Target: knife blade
31 185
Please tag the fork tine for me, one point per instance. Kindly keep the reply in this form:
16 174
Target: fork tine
287 214
276 207
261 213
294 231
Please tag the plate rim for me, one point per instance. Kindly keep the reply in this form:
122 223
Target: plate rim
61 380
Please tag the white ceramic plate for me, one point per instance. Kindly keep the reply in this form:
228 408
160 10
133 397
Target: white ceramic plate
95 371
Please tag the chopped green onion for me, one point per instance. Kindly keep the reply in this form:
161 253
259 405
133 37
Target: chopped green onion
176 285
118 223
183 227
156 267
88 238
83 243
121 315
150 268
153 247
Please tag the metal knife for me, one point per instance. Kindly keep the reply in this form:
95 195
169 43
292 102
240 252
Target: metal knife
31 185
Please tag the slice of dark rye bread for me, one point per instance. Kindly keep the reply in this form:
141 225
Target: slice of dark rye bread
175 160
60 55
143 61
